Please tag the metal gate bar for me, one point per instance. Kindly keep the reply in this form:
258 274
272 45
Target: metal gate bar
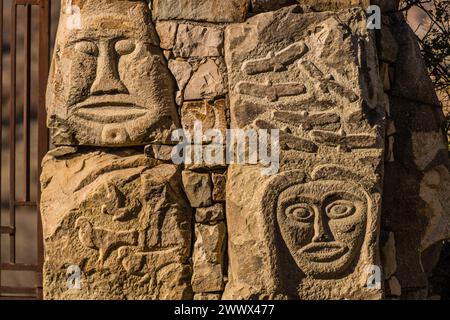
42 132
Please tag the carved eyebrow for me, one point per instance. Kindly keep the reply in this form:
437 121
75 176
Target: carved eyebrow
342 195
310 199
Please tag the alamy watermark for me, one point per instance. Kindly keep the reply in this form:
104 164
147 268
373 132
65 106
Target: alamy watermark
237 147
374 17
374 277
73 277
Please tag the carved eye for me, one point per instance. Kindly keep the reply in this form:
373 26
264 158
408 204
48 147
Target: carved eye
340 209
124 47
301 212
87 47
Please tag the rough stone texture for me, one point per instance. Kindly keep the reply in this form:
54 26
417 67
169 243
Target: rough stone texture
159 152
386 5
201 10
120 211
213 158
182 72
388 47
408 80
109 84
208 257
219 186
270 5
447 109
167 32
309 232
198 41
206 83
395 289
211 214
207 296
388 256
122 219
324 5
198 188
210 115
279 249
417 177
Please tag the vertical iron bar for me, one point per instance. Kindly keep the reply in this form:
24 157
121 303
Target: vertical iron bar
12 135
26 105
43 136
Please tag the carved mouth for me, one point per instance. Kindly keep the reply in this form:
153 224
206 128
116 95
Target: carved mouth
324 251
109 109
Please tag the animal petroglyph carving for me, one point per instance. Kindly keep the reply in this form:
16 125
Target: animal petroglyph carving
305 119
270 91
105 241
275 62
117 201
344 141
327 83
291 142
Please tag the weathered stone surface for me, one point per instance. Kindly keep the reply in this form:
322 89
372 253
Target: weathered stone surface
290 236
206 83
201 10
198 41
210 115
167 31
219 186
62 151
198 188
159 152
310 231
324 5
167 54
182 72
208 257
386 5
388 256
434 192
384 74
211 214
313 230
411 83
213 157
294 85
388 46
207 296
395 289
416 190
121 220
270 5
109 84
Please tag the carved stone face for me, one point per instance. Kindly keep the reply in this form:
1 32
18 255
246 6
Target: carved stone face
109 84
323 224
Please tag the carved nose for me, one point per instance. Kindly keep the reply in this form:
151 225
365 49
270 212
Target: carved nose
107 80
321 231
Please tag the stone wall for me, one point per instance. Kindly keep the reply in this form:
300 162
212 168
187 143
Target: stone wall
416 167
361 152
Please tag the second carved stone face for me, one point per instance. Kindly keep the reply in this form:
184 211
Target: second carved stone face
111 85
323 224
